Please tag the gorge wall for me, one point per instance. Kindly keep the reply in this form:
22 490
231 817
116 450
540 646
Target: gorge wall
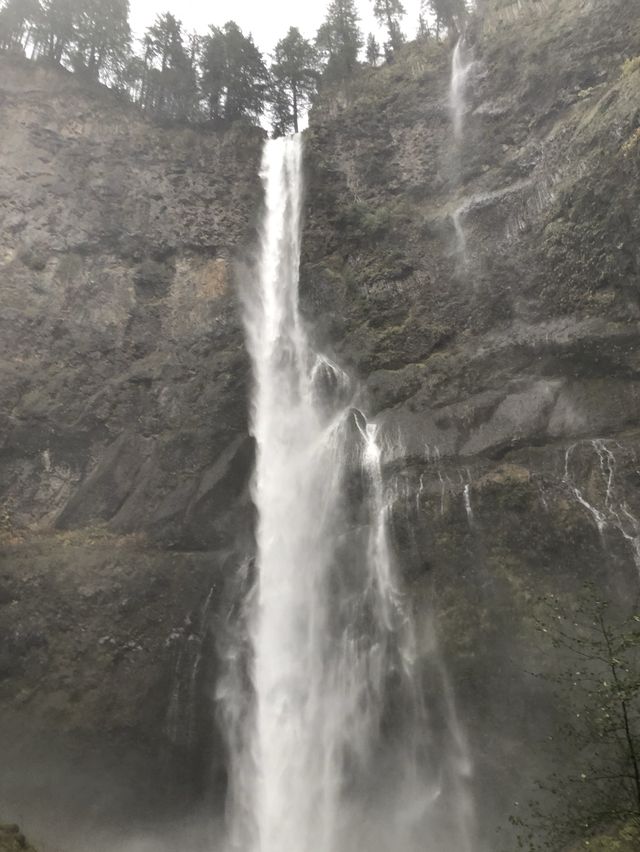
486 292
124 451
503 369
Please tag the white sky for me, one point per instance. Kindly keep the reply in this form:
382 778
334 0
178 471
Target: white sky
266 20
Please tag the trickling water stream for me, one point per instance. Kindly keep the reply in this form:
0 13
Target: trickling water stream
333 747
460 68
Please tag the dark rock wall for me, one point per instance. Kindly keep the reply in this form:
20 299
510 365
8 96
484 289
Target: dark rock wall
124 455
509 376
511 373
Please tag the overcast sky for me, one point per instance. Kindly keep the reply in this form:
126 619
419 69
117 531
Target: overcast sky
266 20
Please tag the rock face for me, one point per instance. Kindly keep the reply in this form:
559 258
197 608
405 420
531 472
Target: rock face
124 454
486 290
483 290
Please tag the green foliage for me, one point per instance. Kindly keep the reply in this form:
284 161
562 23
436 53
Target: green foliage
364 223
448 13
17 19
630 66
294 79
233 76
102 38
388 14
339 39
598 783
373 50
168 84
245 75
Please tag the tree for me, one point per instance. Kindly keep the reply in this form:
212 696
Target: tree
423 32
54 31
373 50
17 18
388 14
450 13
599 783
339 39
212 71
170 87
233 77
102 36
294 79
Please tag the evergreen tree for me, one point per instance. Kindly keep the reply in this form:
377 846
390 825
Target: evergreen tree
373 50
170 86
388 14
233 77
102 36
54 31
448 13
246 76
294 79
423 32
212 71
339 39
17 18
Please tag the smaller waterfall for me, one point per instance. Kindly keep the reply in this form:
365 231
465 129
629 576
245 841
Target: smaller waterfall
467 503
460 67
612 511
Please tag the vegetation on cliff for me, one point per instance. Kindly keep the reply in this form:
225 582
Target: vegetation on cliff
218 76
13 840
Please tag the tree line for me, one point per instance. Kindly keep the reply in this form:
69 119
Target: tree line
220 76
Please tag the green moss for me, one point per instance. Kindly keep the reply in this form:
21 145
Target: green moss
624 839
631 66
12 839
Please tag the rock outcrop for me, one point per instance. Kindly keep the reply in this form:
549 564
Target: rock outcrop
486 292
124 454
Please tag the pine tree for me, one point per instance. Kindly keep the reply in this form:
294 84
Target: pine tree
373 50
388 14
54 31
294 80
17 18
102 36
170 88
246 76
339 39
233 77
448 13
212 71
423 32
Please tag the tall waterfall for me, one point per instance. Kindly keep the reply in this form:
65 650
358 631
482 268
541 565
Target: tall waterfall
460 67
332 749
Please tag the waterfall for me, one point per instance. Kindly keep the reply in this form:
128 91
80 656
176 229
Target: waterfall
460 68
332 750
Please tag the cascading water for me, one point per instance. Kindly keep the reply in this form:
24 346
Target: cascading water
460 68
332 749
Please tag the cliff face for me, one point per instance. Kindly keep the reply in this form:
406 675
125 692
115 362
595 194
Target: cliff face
484 290
124 454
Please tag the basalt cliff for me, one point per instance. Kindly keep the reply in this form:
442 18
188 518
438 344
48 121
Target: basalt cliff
481 286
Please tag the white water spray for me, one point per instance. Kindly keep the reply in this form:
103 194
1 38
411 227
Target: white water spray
460 67
332 751
612 511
